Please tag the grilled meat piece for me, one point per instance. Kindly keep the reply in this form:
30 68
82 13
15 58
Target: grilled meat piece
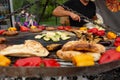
35 30
10 33
50 28
67 55
83 46
2 40
53 47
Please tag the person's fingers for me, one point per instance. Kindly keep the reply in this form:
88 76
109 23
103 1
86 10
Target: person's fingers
77 18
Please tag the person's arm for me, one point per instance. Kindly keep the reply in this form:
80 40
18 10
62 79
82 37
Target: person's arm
60 12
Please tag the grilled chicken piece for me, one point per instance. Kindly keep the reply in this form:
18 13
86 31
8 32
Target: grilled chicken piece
53 47
67 55
83 46
29 48
78 33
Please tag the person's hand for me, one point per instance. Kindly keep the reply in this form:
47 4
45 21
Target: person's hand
75 17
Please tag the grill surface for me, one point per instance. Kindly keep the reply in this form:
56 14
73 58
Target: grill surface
65 70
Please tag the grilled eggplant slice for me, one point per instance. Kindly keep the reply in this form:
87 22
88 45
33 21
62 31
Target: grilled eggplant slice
105 43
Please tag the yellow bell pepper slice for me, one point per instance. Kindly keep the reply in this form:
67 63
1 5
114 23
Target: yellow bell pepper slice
83 60
118 48
86 63
83 28
111 35
4 61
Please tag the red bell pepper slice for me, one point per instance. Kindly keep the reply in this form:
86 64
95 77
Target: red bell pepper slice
24 29
41 27
32 61
1 31
50 63
60 28
67 28
93 30
109 55
116 43
117 39
101 33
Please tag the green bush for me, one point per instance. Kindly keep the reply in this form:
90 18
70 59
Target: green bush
37 10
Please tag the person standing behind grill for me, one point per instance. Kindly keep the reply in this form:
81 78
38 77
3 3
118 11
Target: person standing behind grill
85 7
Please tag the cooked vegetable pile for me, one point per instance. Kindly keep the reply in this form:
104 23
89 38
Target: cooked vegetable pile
54 36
